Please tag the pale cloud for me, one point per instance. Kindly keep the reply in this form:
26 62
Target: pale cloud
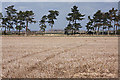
60 0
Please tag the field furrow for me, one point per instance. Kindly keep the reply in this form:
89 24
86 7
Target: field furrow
59 57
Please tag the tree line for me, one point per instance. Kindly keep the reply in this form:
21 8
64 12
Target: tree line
99 22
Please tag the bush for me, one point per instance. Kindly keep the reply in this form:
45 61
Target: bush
118 31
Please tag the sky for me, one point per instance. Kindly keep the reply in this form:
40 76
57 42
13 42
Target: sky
60 0
42 8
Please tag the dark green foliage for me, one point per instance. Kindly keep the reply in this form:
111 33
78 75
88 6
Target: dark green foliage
51 17
1 16
11 13
29 18
101 20
100 23
42 23
19 21
74 17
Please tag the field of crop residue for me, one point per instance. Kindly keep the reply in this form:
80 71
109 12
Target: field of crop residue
59 57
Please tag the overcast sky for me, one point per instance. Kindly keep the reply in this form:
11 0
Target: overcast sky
42 8
60 0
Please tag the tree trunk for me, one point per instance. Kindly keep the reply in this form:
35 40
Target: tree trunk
26 28
5 30
95 29
103 31
87 31
75 27
114 28
98 31
9 29
108 31
51 29
72 32
19 31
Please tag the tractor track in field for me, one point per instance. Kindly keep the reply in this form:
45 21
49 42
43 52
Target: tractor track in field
60 58
28 55
10 61
39 65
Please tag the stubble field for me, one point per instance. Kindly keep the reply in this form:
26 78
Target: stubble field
59 57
